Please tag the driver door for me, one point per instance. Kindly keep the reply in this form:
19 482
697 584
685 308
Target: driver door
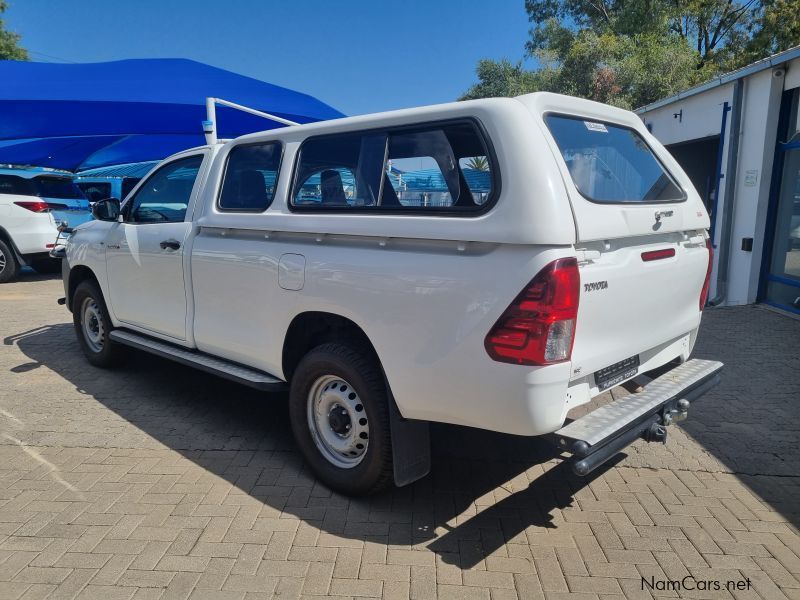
145 253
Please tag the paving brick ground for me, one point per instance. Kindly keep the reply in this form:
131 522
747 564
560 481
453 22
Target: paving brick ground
156 481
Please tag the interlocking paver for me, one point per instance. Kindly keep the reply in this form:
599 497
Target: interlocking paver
155 481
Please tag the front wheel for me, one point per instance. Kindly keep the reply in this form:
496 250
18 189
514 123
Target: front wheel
340 418
93 326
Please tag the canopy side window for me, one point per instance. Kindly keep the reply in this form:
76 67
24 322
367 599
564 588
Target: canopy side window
436 168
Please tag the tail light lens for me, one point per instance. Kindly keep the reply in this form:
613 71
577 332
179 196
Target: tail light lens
538 328
35 206
707 282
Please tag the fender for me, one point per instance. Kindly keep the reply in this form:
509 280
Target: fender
8 239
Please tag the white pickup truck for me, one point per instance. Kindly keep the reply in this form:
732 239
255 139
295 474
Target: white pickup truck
492 263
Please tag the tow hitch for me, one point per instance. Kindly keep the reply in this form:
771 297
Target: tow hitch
600 435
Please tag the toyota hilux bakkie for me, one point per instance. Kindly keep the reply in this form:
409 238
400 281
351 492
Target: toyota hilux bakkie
492 263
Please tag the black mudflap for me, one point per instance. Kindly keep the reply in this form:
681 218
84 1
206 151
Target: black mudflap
411 447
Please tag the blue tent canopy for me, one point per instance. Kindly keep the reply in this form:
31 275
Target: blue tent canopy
80 116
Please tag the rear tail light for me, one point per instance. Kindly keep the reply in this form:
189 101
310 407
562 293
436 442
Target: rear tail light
707 282
538 328
34 206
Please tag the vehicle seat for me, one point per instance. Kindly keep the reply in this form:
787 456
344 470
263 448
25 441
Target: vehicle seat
332 188
252 190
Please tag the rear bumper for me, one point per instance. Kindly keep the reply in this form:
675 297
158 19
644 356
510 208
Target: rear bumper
598 436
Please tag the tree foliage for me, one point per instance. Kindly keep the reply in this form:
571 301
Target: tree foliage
9 41
632 52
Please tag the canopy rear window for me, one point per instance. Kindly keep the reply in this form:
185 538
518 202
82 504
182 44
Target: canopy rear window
611 163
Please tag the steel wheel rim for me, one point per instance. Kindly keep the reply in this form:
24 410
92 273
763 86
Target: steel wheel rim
2 261
92 325
338 421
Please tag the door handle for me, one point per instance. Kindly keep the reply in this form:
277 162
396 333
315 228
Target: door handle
171 244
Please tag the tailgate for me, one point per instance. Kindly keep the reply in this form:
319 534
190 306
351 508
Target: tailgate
629 304
641 243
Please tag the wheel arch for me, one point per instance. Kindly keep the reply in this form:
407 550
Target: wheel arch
78 274
312 328
6 237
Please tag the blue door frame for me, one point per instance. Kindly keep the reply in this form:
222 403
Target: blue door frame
769 237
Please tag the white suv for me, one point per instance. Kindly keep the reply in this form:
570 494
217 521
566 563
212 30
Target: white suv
32 204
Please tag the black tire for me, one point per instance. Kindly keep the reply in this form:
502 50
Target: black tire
104 352
45 266
9 265
361 370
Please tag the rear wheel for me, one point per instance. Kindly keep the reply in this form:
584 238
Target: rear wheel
93 326
9 265
340 418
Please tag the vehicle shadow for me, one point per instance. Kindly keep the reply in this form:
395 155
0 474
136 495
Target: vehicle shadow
516 483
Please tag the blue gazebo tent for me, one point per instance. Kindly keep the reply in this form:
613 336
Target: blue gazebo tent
80 116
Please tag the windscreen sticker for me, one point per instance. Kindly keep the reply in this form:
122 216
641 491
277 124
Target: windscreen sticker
595 126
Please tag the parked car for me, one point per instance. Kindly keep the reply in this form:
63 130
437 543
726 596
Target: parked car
32 204
583 262
97 188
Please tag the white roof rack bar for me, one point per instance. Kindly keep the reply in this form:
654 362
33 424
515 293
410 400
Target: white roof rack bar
210 124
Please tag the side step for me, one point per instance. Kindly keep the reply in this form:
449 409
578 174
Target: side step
205 362
601 434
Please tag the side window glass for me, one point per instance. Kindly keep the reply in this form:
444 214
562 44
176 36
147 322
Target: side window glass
332 187
478 177
422 170
128 184
439 167
250 177
164 196
340 171
13 184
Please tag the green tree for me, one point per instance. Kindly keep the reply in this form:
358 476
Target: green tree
478 163
775 28
635 52
9 41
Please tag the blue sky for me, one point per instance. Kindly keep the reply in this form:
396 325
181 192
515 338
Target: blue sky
359 56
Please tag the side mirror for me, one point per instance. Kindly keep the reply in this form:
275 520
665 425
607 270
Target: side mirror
106 210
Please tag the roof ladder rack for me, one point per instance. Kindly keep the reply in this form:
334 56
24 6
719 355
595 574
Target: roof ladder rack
210 124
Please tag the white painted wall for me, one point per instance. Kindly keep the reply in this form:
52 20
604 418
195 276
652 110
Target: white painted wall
701 118
792 74
760 108
791 81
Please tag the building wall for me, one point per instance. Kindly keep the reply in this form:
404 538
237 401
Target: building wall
760 108
701 117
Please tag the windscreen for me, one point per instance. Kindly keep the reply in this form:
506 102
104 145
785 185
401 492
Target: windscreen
57 187
611 163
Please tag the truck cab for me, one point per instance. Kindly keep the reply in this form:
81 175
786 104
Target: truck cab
492 263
